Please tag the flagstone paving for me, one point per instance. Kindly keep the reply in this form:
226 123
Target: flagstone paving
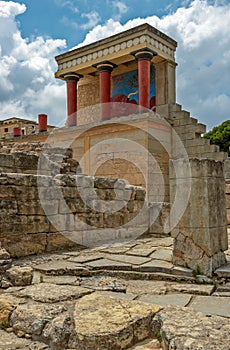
127 295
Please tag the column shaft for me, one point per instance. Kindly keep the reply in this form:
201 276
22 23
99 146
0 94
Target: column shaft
72 102
71 79
144 83
144 57
105 69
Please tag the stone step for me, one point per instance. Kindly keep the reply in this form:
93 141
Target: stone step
223 271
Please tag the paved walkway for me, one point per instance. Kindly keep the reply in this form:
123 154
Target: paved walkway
124 275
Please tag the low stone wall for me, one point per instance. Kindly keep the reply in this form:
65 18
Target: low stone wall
44 213
24 158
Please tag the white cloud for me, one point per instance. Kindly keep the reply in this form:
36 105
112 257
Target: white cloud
120 9
11 9
68 4
203 55
93 19
27 84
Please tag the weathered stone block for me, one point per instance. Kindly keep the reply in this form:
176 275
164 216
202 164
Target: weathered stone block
201 233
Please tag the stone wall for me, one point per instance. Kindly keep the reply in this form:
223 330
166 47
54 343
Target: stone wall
24 158
201 234
227 177
42 213
228 200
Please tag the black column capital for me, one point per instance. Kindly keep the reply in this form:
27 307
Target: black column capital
105 66
144 54
71 76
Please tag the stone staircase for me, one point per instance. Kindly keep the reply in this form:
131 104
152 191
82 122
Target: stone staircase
190 133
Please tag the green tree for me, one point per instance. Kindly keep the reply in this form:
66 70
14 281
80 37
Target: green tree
220 135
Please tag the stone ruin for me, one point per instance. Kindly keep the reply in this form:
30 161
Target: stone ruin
124 167
182 174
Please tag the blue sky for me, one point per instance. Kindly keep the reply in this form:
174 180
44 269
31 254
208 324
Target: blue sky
72 19
33 32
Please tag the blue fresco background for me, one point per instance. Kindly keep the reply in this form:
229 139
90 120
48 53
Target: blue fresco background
127 83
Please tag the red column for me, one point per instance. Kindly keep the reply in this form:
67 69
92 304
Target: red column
42 122
105 69
144 57
71 84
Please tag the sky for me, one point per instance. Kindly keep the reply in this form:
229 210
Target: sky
33 32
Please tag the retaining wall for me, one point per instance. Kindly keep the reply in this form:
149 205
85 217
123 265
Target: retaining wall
42 213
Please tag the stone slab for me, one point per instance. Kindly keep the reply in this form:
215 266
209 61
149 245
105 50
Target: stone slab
221 294
107 264
141 287
165 300
52 293
104 283
156 266
129 259
223 271
60 267
141 251
61 280
162 254
224 288
190 288
184 328
182 271
84 258
212 305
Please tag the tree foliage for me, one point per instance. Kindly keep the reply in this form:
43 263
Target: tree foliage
220 135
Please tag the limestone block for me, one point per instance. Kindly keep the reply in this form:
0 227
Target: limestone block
203 223
20 275
58 241
65 180
23 245
13 224
8 206
6 161
111 323
7 192
187 252
62 222
25 160
114 220
25 193
71 205
57 332
30 208
100 182
7 305
37 224
68 192
32 318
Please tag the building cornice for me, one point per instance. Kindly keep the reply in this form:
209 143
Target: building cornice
117 49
